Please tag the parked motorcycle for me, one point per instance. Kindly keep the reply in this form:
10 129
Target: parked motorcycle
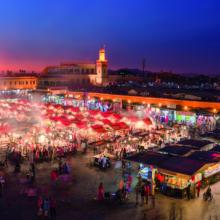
207 196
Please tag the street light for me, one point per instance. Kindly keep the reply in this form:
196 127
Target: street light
185 108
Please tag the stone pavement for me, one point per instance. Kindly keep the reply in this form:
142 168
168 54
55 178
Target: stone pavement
76 198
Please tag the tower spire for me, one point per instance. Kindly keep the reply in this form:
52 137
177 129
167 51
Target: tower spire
101 67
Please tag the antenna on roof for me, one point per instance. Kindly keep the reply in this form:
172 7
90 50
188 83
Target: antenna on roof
143 64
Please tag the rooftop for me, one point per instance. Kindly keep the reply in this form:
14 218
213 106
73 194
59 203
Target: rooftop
149 157
205 156
176 150
182 165
193 143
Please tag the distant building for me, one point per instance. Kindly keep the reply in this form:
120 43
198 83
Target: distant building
80 74
17 82
76 73
69 75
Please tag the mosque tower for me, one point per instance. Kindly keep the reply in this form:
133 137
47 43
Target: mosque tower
101 68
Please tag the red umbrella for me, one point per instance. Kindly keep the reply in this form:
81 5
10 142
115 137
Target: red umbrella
81 124
98 128
119 126
147 121
50 112
132 118
73 109
5 128
117 116
57 106
106 121
93 112
106 114
79 117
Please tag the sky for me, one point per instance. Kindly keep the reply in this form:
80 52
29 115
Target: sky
182 36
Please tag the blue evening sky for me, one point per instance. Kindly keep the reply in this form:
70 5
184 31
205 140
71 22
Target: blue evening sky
177 35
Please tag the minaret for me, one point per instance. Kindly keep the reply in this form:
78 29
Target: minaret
101 68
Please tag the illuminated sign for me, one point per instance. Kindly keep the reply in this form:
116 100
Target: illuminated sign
212 170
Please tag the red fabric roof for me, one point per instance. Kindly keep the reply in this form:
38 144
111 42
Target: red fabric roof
147 121
98 128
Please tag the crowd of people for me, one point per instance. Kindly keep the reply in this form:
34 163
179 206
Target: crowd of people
46 207
55 141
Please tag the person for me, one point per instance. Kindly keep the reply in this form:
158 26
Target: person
104 162
137 190
17 167
124 153
60 165
100 192
146 192
122 194
123 163
40 205
33 170
95 150
46 206
209 192
121 184
129 183
188 191
198 186
142 194
54 175
65 169
53 213
6 160
68 168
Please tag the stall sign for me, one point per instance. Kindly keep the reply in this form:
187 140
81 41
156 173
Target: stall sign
146 173
172 106
197 178
185 117
212 170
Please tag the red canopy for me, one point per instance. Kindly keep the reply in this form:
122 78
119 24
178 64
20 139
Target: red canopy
93 112
106 114
91 119
79 117
106 121
50 112
57 106
23 101
132 118
117 116
5 128
98 128
147 121
81 124
73 109
119 126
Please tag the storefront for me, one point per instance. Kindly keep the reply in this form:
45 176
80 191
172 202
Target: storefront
175 184
147 174
95 104
188 118
211 174
62 100
173 176
164 116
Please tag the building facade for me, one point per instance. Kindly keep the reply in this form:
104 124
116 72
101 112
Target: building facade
76 74
18 82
